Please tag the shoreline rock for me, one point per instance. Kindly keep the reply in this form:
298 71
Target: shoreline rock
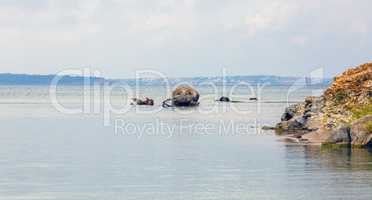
341 116
361 131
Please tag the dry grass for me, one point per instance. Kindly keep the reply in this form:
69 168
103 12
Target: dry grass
369 126
360 112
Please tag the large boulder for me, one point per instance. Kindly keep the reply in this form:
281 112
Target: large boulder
359 134
185 96
361 131
340 136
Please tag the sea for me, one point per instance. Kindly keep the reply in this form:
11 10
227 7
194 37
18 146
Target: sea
76 143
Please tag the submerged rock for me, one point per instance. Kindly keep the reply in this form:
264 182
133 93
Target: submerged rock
224 99
147 101
268 128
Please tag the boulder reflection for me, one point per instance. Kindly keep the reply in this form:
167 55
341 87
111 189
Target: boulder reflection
319 158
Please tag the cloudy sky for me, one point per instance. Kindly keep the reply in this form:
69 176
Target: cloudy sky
185 37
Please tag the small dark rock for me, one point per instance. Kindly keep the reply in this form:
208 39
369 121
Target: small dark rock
287 115
307 115
224 99
147 102
297 135
369 94
298 123
268 128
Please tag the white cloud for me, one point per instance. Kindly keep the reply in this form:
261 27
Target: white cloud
360 27
123 35
272 16
300 40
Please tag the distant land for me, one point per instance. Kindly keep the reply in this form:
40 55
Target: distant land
26 79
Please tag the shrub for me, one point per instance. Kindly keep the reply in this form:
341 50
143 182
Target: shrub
340 96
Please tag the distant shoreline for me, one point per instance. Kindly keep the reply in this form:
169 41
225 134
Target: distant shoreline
43 80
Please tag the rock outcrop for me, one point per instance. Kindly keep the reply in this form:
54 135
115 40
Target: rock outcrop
303 117
342 115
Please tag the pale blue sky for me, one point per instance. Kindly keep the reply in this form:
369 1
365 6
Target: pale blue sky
185 37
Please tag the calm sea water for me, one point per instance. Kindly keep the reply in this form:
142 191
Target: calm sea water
169 154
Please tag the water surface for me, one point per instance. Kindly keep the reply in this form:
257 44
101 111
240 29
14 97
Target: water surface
45 154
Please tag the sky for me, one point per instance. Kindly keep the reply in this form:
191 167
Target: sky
183 38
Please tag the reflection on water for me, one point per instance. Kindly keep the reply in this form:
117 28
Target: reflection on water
327 173
340 158
78 159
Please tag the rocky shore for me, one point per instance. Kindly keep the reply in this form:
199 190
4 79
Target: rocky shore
341 116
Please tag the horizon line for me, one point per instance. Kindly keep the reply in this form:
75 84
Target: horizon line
175 77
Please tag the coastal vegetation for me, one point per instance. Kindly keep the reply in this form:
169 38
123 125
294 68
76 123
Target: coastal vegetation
340 96
369 126
341 116
359 112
